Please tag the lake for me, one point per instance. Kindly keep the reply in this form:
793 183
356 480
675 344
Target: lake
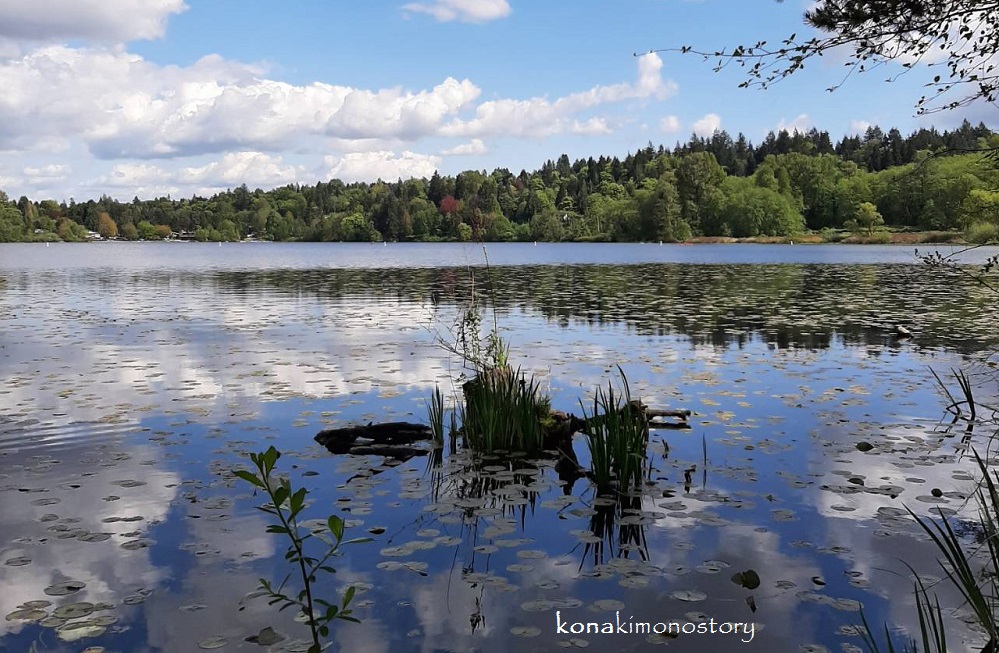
137 376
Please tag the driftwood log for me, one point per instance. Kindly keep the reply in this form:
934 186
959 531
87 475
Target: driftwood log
395 439
403 440
681 418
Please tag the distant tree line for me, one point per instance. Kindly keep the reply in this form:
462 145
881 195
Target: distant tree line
717 186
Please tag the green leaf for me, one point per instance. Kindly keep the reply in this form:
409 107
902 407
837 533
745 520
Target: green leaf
270 457
277 528
248 477
298 500
335 524
359 540
281 495
349 595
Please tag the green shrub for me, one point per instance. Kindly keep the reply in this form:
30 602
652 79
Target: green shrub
982 232
831 235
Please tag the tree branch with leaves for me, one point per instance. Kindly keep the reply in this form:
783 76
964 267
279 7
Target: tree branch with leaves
957 40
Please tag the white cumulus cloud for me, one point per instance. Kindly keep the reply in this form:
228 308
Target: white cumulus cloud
52 171
707 125
670 124
137 109
369 166
101 20
474 146
235 168
799 124
393 113
121 106
98 106
539 117
859 126
467 11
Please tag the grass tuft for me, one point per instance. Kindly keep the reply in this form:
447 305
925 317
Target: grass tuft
617 435
503 411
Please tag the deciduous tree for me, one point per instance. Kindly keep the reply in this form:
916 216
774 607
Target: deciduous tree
106 227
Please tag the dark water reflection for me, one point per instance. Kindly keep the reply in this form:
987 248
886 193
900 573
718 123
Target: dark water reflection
791 305
130 390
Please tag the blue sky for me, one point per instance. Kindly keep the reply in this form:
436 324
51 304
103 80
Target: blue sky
155 97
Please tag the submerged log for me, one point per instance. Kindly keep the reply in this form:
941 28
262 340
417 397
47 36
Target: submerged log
680 415
374 438
649 415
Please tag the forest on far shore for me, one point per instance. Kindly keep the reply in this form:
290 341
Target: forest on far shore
788 184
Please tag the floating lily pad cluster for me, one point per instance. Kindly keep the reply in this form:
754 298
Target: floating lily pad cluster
70 621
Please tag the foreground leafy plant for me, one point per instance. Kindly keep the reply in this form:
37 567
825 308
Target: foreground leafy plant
286 504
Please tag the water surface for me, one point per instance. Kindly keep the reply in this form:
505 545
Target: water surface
135 377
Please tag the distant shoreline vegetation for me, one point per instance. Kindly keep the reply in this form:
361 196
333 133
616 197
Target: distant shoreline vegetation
879 187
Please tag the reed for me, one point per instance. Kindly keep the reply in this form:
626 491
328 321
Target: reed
435 414
617 436
503 411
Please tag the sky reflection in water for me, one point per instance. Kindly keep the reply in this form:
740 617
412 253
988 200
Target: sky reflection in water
130 391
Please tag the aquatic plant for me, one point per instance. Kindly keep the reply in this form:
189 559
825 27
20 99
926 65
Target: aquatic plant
978 587
503 411
617 435
435 414
286 504
611 538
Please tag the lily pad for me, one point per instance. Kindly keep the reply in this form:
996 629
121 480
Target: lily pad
64 589
266 637
73 610
27 614
215 641
525 631
689 595
72 632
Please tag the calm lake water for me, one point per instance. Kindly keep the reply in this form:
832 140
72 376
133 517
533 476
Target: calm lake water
135 377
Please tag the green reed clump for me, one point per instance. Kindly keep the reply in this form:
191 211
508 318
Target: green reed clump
286 504
503 411
617 435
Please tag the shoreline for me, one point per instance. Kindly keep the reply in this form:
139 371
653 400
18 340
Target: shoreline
837 238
